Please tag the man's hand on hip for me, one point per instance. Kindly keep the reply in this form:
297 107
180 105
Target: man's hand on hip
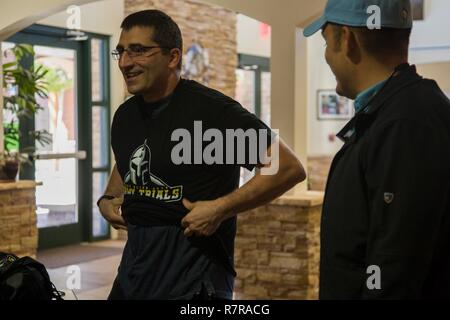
110 210
203 219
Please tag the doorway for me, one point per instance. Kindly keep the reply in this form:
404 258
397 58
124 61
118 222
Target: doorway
253 81
75 166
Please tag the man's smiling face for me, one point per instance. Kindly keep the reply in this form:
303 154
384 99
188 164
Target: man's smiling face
142 73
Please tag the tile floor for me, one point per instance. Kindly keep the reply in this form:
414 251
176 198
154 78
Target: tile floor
97 276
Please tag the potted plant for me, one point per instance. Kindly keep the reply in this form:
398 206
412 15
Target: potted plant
9 164
22 86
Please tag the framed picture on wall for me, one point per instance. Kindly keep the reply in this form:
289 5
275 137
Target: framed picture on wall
417 9
332 106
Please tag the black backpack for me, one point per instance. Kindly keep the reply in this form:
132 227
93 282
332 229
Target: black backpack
25 279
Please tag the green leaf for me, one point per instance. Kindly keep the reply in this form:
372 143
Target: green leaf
32 83
8 65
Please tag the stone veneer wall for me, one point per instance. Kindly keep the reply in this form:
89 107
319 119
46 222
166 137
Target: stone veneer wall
277 250
213 27
18 229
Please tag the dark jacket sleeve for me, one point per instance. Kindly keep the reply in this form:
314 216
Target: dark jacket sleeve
406 194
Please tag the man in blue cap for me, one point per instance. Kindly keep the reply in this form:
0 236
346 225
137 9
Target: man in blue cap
385 230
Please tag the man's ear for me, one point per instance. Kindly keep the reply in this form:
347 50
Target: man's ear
351 45
175 57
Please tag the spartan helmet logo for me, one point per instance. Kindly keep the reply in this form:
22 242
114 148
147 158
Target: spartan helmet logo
139 166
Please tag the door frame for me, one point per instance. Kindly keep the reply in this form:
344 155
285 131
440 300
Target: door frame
57 37
258 65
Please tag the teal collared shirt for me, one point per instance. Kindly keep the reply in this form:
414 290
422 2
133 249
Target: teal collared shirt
362 100
364 97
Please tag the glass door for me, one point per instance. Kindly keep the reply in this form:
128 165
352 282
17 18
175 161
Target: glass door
74 168
56 199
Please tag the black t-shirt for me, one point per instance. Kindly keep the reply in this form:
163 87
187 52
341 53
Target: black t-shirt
141 138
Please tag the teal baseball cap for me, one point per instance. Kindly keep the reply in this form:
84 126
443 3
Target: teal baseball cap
356 13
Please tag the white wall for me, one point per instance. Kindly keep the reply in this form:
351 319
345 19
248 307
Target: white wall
439 71
430 39
101 17
320 77
249 39
18 14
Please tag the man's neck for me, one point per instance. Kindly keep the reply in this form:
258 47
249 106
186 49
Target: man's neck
164 89
374 73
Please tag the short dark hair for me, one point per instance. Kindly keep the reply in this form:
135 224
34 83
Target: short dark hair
379 42
166 32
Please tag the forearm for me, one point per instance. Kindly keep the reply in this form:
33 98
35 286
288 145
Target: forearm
262 189
115 184
205 217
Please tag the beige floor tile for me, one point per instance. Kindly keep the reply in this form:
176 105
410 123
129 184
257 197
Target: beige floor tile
97 276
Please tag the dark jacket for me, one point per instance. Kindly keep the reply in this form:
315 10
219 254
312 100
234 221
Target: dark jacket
387 201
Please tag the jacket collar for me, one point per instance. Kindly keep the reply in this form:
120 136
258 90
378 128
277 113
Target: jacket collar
404 76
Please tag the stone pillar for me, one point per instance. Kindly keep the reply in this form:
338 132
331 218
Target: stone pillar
18 229
277 249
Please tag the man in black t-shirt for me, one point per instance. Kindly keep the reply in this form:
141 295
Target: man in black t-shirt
179 147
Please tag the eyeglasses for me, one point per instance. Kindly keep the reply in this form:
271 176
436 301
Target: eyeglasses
134 51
